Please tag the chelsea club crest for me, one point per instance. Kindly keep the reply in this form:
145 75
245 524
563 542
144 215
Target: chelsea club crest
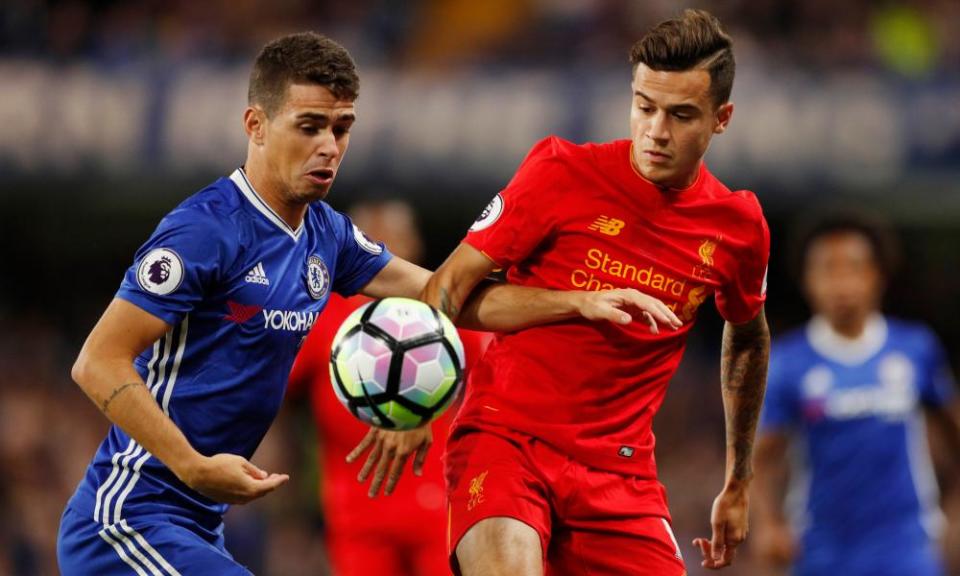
318 278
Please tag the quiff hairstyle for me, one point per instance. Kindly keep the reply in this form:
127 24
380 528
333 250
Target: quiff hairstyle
693 40
302 58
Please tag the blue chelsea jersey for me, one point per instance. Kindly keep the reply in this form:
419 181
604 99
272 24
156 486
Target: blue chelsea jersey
240 289
864 493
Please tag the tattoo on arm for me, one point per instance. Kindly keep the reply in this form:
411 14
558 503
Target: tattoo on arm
116 392
743 375
447 306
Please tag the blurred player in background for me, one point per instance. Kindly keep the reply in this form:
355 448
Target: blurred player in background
404 535
550 462
848 393
191 358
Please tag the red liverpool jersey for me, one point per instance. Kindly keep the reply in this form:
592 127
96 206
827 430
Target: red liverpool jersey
581 217
417 501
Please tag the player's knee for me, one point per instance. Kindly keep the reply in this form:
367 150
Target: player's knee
500 546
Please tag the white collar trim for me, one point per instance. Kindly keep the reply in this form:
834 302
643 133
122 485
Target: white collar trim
239 178
848 351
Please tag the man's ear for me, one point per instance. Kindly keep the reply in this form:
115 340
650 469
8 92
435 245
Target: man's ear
254 124
724 113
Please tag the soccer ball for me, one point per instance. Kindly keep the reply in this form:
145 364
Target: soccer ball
396 363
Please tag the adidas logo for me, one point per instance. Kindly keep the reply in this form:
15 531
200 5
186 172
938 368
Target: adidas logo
257 276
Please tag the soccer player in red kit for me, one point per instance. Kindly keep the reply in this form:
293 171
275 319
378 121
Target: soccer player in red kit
550 463
404 535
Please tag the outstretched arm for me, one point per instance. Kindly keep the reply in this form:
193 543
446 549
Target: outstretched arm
459 290
743 371
104 371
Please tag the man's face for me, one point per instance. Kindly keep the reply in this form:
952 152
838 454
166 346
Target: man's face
305 140
672 119
841 277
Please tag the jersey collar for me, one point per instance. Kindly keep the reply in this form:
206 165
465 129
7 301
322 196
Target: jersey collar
848 351
239 178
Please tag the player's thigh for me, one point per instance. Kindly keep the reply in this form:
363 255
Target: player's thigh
358 554
144 548
496 496
500 547
646 549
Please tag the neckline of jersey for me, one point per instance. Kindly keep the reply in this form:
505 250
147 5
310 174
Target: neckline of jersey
847 351
239 179
633 168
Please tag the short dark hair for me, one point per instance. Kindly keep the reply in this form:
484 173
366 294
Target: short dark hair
693 40
883 242
302 58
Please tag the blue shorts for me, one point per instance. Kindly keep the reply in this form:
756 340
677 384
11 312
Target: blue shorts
145 546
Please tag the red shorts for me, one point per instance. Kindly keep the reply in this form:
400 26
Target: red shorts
589 521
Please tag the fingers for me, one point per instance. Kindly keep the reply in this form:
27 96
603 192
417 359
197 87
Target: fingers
363 445
396 470
257 487
651 322
719 542
664 315
709 552
381 473
656 308
656 313
420 458
721 551
372 459
272 482
251 469
609 312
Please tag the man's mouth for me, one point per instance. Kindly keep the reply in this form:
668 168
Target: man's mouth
321 176
656 156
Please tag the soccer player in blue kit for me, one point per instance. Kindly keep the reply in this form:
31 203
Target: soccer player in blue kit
849 391
190 360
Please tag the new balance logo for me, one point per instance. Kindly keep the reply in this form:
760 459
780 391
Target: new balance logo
608 226
257 275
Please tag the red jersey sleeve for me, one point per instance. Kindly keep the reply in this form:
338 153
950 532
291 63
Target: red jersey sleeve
741 297
520 217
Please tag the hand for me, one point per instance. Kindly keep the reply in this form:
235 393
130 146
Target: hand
391 450
775 544
230 479
729 522
611 305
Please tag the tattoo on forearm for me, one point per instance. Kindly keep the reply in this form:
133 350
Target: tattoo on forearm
743 375
105 405
447 306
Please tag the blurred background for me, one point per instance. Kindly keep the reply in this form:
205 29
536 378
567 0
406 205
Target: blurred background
112 112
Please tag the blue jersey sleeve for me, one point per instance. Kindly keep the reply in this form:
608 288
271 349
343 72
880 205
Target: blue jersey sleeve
176 267
781 408
937 387
359 258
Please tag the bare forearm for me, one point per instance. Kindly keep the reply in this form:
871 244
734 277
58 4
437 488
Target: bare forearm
743 373
119 392
505 307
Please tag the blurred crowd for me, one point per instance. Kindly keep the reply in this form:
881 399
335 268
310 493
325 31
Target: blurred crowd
914 38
